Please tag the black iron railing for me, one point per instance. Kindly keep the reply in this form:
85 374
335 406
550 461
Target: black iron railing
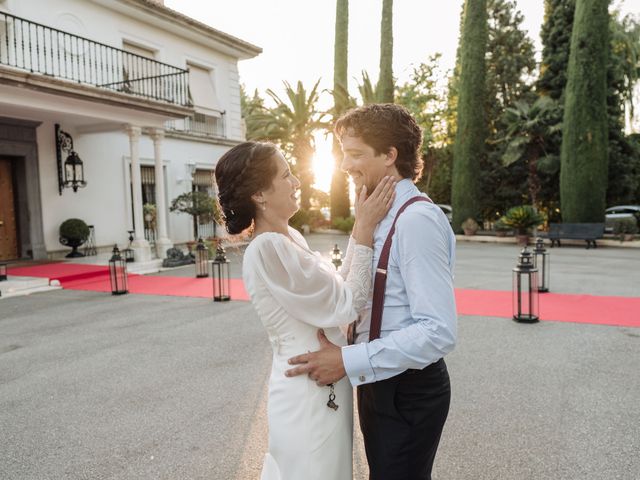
199 124
40 49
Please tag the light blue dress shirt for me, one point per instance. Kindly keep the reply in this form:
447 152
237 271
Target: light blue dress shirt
419 323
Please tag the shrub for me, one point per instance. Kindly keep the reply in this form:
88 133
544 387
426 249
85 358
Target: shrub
522 218
300 218
470 226
625 226
344 224
500 226
74 230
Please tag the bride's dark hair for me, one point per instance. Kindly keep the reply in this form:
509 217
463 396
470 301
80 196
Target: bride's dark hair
241 172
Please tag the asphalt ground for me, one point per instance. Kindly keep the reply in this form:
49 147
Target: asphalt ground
147 387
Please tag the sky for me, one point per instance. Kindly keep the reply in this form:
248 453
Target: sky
297 37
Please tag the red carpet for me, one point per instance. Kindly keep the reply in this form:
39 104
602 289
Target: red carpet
560 307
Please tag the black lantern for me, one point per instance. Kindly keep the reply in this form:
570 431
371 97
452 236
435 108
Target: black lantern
541 262
202 255
128 252
72 176
525 289
336 256
118 273
221 276
3 271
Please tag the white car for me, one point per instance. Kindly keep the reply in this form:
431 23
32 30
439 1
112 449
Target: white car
620 211
448 211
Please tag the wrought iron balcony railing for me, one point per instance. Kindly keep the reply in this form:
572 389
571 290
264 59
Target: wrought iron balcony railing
199 124
40 49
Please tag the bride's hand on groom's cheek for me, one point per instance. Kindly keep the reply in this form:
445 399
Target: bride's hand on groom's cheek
323 367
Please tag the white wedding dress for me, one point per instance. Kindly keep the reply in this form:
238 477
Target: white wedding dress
295 292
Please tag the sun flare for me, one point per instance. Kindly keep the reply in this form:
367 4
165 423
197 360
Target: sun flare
323 162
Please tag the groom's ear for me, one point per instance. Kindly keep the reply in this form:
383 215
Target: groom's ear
392 156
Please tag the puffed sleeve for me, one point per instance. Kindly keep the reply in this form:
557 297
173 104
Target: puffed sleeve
307 286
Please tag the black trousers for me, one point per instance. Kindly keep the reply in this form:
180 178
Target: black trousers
402 419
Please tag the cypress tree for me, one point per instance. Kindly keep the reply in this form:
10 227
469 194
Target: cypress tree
584 155
470 139
556 41
385 82
339 182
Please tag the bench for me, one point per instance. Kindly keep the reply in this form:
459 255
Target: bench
588 232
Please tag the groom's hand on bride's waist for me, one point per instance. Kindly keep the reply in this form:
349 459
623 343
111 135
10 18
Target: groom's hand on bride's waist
323 367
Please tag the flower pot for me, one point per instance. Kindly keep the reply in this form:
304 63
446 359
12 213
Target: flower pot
469 231
523 239
74 243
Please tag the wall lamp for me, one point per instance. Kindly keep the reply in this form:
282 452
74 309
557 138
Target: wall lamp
71 174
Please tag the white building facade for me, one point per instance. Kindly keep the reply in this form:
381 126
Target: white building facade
149 98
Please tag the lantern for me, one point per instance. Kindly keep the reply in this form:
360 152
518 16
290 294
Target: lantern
221 276
3 271
541 262
202 255
118 273
525 289
336 256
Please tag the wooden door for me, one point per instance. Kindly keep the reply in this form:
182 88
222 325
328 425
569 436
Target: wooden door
8 234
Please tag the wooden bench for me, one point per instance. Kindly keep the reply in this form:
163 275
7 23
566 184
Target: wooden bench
588 232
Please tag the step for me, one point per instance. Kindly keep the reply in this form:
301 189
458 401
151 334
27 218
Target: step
21 286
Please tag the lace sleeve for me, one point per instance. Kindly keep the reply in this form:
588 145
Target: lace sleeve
348 257
359 276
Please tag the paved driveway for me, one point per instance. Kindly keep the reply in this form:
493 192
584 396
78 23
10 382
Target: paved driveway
142 387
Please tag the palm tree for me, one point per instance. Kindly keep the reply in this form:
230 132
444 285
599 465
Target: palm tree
341 102
385 81
528 128
368 92
291 124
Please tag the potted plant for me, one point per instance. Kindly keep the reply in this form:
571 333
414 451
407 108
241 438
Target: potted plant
470 226
149 211
197 204
501 228
522 219
73 233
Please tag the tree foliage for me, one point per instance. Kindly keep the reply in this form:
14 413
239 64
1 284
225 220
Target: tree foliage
471 128
584 155
291 123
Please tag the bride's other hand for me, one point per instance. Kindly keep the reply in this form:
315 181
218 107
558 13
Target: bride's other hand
371 209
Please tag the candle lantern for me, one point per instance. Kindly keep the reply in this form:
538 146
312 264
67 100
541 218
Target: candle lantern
541 262
3 271
202 256
336 256
118 273
221 276
525 289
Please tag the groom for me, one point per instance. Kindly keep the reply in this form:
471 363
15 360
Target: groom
403 334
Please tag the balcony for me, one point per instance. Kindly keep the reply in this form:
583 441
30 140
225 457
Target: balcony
35 48
199 125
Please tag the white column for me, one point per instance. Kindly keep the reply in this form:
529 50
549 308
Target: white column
141 249
162 242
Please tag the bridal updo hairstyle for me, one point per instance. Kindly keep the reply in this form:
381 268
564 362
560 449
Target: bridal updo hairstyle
244 170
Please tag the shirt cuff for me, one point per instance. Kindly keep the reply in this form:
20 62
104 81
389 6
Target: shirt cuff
357 365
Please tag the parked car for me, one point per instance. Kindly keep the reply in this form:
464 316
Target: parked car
448 211
612 214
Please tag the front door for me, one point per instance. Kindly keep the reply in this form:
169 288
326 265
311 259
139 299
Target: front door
8 233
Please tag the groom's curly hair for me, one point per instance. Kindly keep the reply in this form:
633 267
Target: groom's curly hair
386 125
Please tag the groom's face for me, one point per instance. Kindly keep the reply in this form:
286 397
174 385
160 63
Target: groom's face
362 163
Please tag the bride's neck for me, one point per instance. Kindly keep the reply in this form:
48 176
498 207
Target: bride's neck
264 224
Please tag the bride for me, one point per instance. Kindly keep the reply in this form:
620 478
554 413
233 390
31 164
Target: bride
295 292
